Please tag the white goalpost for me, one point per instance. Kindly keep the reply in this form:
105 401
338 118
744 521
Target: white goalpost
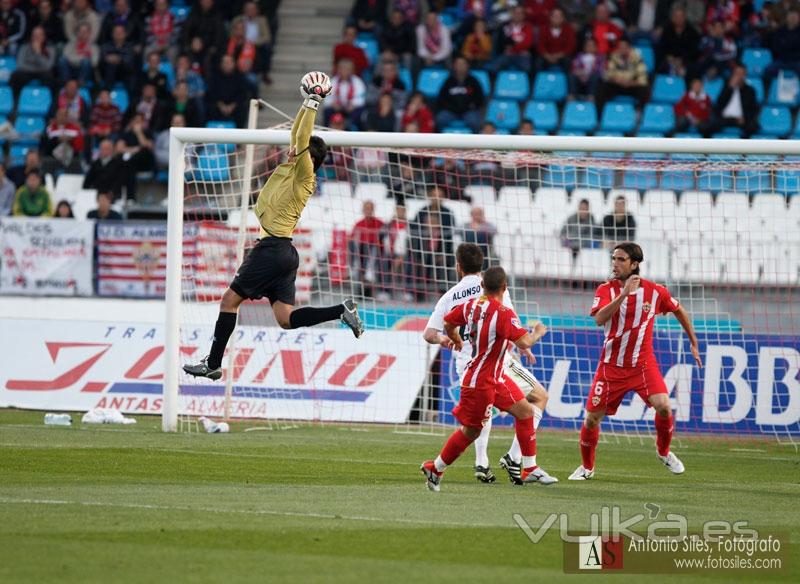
719 222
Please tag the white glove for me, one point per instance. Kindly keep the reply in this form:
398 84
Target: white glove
314 87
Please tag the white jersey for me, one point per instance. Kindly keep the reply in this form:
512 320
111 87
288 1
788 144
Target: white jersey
469 287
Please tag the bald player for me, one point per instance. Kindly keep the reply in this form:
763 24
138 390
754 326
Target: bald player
270 268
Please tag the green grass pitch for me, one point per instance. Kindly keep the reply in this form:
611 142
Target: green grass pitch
326 503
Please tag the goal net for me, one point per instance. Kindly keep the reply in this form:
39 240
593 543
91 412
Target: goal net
720 230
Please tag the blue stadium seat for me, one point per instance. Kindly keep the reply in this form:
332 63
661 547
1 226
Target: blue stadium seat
787 182
648 56
504 113
212 164
668 89
715 180
796 131
369 45
119 97
543 114
775 120
550 86
228 124
430 81
483 78
167 69
657 118
29 128
512 85
687 135
714 87
790 100
558 176
758 87
762 136
598 178
618 117
640 179
17 152
580 116
456 130
87 97
677 180
728 132
7 66
34 100
6 101
756 60
180 13
751 181
405 77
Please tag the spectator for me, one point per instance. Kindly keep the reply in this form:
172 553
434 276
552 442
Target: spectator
556 42
604 32
18 173
160 28
12 27
785 45
718 51
50 20
64 210
431 245
162 141
619 225
152 109
399 37
626 74
577 12
70 99
693 111
418 112
515 43
194 81
388 81
433 41
726 12
405 183
381 117
526 128
122 15
538 12
153 74
244 53
203 33
62 144
80 56
35 61
106 119
695 12
736 106
348 95
7 190
366 249
257 32
185 106
395 245
81 13
485 171
107 172
347 49
412 10
678 50
580 230
136 148
586 71
461 98
118 60
228 94
477 47
368 15
371 164
104 211
645 18
32 199
480 232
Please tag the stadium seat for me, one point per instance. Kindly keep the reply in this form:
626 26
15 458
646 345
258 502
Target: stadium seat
771 209
336 189
695 205
758 86
180 13
6 101
753 181
658 210
369 45
713 87
86 95
430 81
597 178
29 128
640 179
579 116
668 89
405 77
456 130
791 98
715 180
481 195
592 264
484 80
550 86
120 98
371 191
618 117
34 100
7 66
677 180
756 60
787 182
225 124
504 114
775 120
657 118
730 219
17 152
560 176
212 164
648 56
543 114
512 85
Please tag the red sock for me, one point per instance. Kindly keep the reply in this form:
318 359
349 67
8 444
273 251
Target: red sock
588 444
526 436
455 445
663 434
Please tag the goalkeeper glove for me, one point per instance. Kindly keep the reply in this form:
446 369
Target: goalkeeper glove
314 87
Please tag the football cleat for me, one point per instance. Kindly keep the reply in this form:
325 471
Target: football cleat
672 462
351 319
432 478
484 474
537 475
203 370
581 474
514 469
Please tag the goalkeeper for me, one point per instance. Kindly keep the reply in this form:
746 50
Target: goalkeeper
270 268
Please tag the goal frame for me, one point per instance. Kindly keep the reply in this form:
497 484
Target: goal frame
180 137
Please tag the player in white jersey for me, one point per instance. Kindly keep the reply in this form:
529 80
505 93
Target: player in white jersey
469 261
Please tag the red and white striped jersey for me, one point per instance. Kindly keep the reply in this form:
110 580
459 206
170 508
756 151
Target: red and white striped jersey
629 332
489 327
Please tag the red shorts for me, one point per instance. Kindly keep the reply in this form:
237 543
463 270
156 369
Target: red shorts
474 407
612 383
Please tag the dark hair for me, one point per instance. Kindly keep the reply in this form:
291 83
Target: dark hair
582 201
64 203
318 150
470 257
494 279
634 251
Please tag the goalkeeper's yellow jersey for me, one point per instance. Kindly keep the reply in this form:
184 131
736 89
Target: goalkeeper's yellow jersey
283 198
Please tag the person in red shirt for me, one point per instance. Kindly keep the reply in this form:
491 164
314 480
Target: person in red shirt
537 12
347 49
516 42
491 328
605 33
626 307
63 142
366 249
694 109
556 42
417 112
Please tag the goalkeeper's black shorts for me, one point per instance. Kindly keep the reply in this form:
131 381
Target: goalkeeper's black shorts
269 270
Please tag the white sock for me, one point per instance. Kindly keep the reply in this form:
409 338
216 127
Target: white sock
482 445
439 464
515 452
537 417
528 461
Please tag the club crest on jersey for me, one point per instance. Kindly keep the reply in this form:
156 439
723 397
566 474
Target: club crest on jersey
646 307
516 322
595 400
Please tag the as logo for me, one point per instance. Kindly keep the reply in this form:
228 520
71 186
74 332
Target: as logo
599 553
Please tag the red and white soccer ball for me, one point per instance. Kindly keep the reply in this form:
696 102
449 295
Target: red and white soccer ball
315 83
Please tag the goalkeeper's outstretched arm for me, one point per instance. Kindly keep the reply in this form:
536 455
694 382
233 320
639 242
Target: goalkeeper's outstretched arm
314 87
